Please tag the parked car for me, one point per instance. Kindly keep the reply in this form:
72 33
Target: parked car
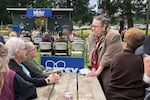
115 27
140 26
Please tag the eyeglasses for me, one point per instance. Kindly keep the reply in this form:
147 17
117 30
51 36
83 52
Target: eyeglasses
23 49
32 50
95 26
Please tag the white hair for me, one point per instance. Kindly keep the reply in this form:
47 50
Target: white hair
29 45
14 45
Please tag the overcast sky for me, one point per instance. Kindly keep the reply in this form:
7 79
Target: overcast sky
92 3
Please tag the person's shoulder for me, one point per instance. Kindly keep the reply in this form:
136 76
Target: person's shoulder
12 73
119 54
92 36
113 32
27 60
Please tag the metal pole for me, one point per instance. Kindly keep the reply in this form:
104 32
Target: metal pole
147 16
77 98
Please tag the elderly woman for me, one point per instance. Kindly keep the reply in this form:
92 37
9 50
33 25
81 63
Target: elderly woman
105 42
12 86
126 82
17 53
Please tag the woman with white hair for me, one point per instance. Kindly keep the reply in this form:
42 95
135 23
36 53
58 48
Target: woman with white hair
12 86
17 53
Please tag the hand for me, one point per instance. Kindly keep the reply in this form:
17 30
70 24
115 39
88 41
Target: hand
147 66
54 78
93 73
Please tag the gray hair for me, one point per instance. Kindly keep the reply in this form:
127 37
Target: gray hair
103 20
14 45
28 45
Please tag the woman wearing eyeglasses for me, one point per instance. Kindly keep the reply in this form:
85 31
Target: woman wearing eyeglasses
12 86
106 42
17 53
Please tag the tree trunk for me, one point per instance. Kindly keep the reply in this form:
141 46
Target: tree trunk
128 13
129 20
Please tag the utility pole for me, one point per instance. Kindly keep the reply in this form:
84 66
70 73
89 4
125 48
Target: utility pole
147 16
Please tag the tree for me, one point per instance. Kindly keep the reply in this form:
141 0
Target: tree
125 8
81 11
5 16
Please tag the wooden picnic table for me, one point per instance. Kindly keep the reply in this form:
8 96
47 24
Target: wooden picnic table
88 88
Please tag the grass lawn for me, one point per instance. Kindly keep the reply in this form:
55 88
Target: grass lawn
37 58
81 33
84 34
3 32
87 32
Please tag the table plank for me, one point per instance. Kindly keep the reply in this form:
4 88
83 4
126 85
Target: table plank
67 84
88 88
92 87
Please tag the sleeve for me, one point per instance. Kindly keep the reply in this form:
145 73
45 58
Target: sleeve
2 39
35 80
37 74
23 89
113 46
91 42
31 65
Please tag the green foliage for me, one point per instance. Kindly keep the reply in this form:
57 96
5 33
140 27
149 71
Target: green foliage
82 12
4 17
124 8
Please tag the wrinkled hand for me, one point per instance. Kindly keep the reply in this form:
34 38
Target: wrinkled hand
93 73
54 78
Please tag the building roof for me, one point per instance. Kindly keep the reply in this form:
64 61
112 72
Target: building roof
53 9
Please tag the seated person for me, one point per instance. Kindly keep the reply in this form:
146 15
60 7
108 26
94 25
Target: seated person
123 82
72 35
61 38
48 38
2 40
36 34
12 86
30 62
17 53
146 77
12 34
64 48
28 34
